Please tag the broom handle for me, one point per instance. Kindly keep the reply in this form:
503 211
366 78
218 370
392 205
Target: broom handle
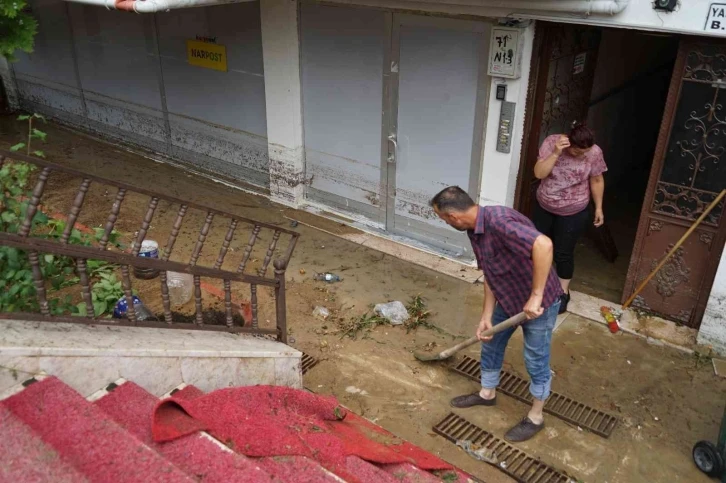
675 247
510 322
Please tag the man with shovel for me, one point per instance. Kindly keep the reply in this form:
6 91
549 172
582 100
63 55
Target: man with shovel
518 277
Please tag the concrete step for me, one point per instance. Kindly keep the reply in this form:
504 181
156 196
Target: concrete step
89 357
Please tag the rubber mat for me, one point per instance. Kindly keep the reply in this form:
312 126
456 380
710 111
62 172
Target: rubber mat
559 405
514 462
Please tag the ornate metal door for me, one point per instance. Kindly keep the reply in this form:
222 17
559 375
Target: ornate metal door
559 92
689 170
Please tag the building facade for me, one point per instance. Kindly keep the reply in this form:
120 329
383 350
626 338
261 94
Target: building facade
366 108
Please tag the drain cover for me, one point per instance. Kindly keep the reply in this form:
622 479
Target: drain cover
563 407
308 362
512 461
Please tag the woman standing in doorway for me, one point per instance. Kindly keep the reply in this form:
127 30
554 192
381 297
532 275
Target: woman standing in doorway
571 168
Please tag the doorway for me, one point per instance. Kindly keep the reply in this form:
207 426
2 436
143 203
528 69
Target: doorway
626 106
393 108
617 82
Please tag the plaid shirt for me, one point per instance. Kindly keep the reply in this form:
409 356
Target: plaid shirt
502 242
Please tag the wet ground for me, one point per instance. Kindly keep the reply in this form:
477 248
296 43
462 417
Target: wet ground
667 400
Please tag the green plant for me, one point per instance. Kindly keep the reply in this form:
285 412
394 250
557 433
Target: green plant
104 294
33 133
17 28
366 323
418 315
17 289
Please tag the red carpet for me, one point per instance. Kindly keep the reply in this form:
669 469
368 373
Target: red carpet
49 433
407 473
131 407
264 421
25 458
296 469
86 438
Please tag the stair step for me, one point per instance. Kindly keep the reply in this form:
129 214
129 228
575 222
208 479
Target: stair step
297 469
86 438
201 457
364 471
26 458
408 473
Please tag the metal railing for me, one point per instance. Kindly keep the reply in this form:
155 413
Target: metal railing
36 245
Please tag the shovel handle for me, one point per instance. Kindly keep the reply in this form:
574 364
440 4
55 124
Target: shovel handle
510 322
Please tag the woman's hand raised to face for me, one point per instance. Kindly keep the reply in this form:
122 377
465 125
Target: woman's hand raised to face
562 143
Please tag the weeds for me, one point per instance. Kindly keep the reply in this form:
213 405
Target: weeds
104 294
702 359
418 317
366 322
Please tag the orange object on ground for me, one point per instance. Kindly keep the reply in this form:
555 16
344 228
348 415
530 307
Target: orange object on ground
610 318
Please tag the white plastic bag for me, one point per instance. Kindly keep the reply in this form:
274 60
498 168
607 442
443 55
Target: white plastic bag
321 313
394 312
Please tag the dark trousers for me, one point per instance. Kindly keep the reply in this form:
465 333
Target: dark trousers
564 231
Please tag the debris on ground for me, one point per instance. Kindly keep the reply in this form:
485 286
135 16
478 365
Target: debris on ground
719 367
321 313
327 277
394 312
478 453
366 322
419 315
611 317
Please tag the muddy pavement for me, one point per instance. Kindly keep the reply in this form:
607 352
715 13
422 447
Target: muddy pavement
667 400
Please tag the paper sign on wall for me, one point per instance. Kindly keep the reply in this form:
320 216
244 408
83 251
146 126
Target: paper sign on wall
207 55
505 49
578 66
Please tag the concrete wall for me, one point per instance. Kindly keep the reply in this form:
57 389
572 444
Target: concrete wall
127 77
713 326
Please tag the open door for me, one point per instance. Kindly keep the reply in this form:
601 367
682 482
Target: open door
559 93
689 170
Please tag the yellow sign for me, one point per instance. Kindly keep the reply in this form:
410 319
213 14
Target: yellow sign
204 54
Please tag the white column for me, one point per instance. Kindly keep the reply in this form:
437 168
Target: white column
713 326
499 170
281 55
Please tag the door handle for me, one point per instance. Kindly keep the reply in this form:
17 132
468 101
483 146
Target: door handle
393 157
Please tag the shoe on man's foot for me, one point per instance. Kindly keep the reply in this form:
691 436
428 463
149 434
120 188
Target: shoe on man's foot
523 431
469 400
564 300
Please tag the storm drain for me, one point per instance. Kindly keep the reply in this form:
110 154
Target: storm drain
507 458
308 362
563 407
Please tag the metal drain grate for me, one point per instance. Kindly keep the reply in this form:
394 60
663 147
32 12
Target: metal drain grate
563 407
512 461
308 362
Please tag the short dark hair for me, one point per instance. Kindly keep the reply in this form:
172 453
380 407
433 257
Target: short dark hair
581 136
452 198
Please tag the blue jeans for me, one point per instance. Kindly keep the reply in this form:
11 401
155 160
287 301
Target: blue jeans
537 339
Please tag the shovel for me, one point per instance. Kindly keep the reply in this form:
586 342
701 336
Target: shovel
445 354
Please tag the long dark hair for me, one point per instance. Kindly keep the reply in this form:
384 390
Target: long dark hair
581 136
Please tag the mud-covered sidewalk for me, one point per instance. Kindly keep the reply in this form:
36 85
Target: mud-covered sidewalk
666 399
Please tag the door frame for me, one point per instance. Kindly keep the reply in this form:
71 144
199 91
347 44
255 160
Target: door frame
664 135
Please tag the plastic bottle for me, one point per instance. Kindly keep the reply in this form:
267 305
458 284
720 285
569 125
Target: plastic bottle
149 249
327 277
142 313
181 286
